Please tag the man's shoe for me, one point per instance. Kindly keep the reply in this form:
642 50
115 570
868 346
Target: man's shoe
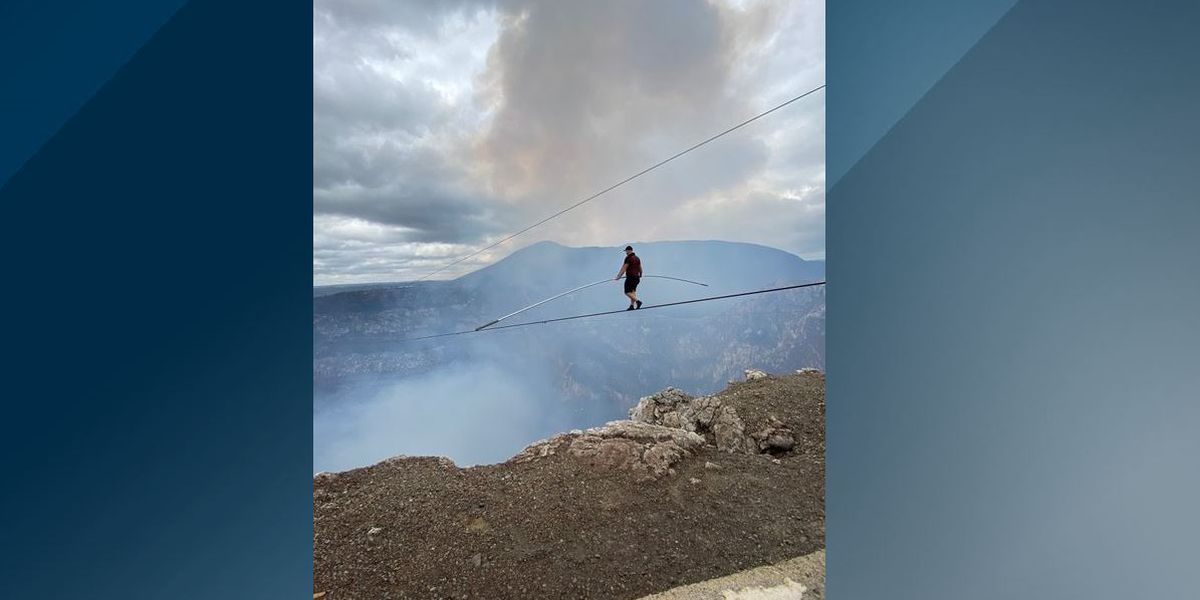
639 303
630 307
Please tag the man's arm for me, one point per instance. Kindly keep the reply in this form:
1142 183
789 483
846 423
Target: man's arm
622 271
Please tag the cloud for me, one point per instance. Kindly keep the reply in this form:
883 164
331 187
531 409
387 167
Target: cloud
428 214
350 250
418 17
389 108
795 219
449 125
587 93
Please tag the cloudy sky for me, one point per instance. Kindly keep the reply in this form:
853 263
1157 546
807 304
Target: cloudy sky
440 127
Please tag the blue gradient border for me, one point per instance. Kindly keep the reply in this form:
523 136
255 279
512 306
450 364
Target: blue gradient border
157 424
1013 325
55 56
1012 328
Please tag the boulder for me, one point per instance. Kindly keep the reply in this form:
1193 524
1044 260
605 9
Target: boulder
775 438
644 448
719 424
752 374
660 408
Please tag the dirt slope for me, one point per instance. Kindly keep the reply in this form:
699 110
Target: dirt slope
616 512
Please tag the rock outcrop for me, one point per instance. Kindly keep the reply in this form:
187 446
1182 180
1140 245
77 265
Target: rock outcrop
646 449
719 423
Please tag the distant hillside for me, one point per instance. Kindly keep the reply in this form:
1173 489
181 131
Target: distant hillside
547 268
591 370
542 270
329 290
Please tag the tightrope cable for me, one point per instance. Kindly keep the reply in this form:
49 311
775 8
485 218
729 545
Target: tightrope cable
613 312
572 291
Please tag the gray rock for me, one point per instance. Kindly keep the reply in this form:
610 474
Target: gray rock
730 432
752 374
775 437
706 415
778 442
645 448
653 408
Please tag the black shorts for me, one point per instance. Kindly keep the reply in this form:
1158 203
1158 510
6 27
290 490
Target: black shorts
631 282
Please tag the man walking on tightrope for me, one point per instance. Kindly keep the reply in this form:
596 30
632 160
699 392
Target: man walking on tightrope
632 270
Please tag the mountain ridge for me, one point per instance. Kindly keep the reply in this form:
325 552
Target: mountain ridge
581 372
524 252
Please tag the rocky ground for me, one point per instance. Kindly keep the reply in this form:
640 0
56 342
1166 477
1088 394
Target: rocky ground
687 490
